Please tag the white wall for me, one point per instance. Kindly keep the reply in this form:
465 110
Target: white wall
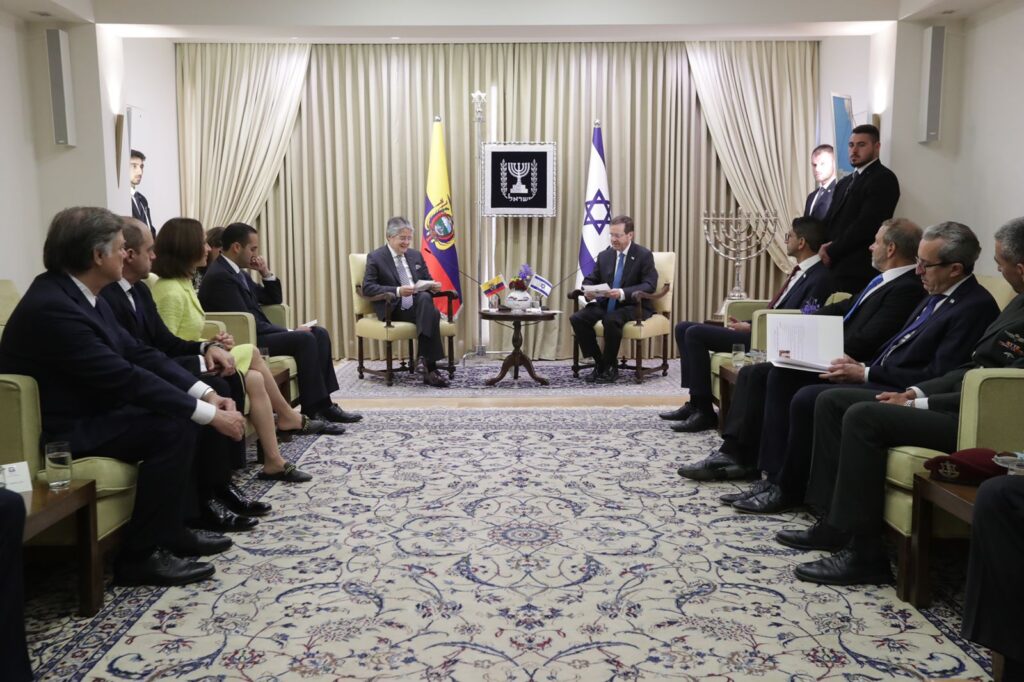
22 228
843 70
150 84
989 181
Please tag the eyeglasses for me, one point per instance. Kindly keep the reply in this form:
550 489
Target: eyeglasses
924 265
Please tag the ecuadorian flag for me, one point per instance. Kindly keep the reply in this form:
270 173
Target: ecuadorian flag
438 244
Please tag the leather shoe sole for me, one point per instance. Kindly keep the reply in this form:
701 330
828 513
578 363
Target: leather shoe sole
695 423
677 415
200 543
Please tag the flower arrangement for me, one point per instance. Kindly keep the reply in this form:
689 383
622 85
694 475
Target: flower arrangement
521 281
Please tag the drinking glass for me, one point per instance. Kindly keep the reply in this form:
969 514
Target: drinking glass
739 355
58 465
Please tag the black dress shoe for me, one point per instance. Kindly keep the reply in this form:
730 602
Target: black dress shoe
337 415
192 542
718 466
820 536
609 376
847 567
287 475
594 374
751 490
161 568
677 415
432 378
771 500
696 422
235 500
216 517
311 427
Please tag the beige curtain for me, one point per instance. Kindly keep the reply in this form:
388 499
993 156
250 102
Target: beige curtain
236 111
359 153
760 103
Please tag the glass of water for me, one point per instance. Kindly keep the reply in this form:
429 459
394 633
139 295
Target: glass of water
739 355
58 465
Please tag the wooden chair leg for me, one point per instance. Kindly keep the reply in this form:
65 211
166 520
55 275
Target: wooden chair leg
638 351
664 355
412 357
451 358
575 357
998 663
388 372
904 568
359 344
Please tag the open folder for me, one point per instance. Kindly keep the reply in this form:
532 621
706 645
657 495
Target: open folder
804 342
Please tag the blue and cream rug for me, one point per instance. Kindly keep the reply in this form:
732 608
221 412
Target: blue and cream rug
469 382
487 545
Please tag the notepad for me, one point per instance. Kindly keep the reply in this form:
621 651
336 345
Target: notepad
424 284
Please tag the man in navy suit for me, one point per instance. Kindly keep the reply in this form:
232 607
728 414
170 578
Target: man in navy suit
108 395
225 288
854 429
627 268
758 416
394 269
140 205
13 649
807 286
862 201
823 166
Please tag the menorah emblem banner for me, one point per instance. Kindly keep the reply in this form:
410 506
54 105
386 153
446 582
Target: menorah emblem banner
738 237
519 179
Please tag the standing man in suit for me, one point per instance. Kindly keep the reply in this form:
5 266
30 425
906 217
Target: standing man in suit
13 649
108 395
823 166
627 268
854 429
222 506
807 285
140 205
395 269
226 288
869 319
937 337
863 200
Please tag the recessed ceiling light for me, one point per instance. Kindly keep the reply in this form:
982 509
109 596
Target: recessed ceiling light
396 37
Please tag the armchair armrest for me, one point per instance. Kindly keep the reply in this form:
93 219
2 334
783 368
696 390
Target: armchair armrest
990 409
759 328
20 421
387 296
743 309
641 296
242 326
213 327
279 314
451 296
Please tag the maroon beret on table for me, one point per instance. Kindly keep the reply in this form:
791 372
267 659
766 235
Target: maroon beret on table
967 467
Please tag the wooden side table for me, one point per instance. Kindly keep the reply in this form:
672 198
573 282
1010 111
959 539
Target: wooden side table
517 358
958 500
46 507
727 374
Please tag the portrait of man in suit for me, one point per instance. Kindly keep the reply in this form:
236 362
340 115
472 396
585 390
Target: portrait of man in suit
140 205
395 269
861 201
626 267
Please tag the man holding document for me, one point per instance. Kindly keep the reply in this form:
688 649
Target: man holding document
396 269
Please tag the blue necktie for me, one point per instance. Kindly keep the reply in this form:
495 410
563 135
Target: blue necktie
617 281
871 285
907 332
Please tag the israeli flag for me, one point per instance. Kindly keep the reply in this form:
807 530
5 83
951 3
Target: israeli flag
541 285
597 208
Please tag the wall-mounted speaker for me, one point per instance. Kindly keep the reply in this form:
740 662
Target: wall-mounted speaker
932 56
62 97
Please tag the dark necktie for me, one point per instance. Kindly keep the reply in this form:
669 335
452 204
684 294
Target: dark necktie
871 285
617 279
778 294
908 332
140 316
818 205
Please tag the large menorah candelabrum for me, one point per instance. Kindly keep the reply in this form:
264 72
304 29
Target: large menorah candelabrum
738 237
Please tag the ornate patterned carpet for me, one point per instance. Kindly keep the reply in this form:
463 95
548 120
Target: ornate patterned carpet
502 545
469 381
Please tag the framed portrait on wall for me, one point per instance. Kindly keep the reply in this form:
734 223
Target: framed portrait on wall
519 179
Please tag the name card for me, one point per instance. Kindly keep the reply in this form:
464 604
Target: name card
17 477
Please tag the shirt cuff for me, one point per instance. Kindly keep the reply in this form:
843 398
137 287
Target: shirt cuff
204 413
202 364
622 295
921 404
398 291
269 277
867 370
917 391
198 390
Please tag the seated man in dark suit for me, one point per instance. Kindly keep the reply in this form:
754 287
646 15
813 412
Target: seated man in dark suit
994 590
869 320
806 286
627 268
861 201
854 429
226 288
108 395
222 505
395 269
13 650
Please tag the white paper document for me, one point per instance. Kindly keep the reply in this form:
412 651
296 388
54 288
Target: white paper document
805 342
599 290
311 323
425 284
